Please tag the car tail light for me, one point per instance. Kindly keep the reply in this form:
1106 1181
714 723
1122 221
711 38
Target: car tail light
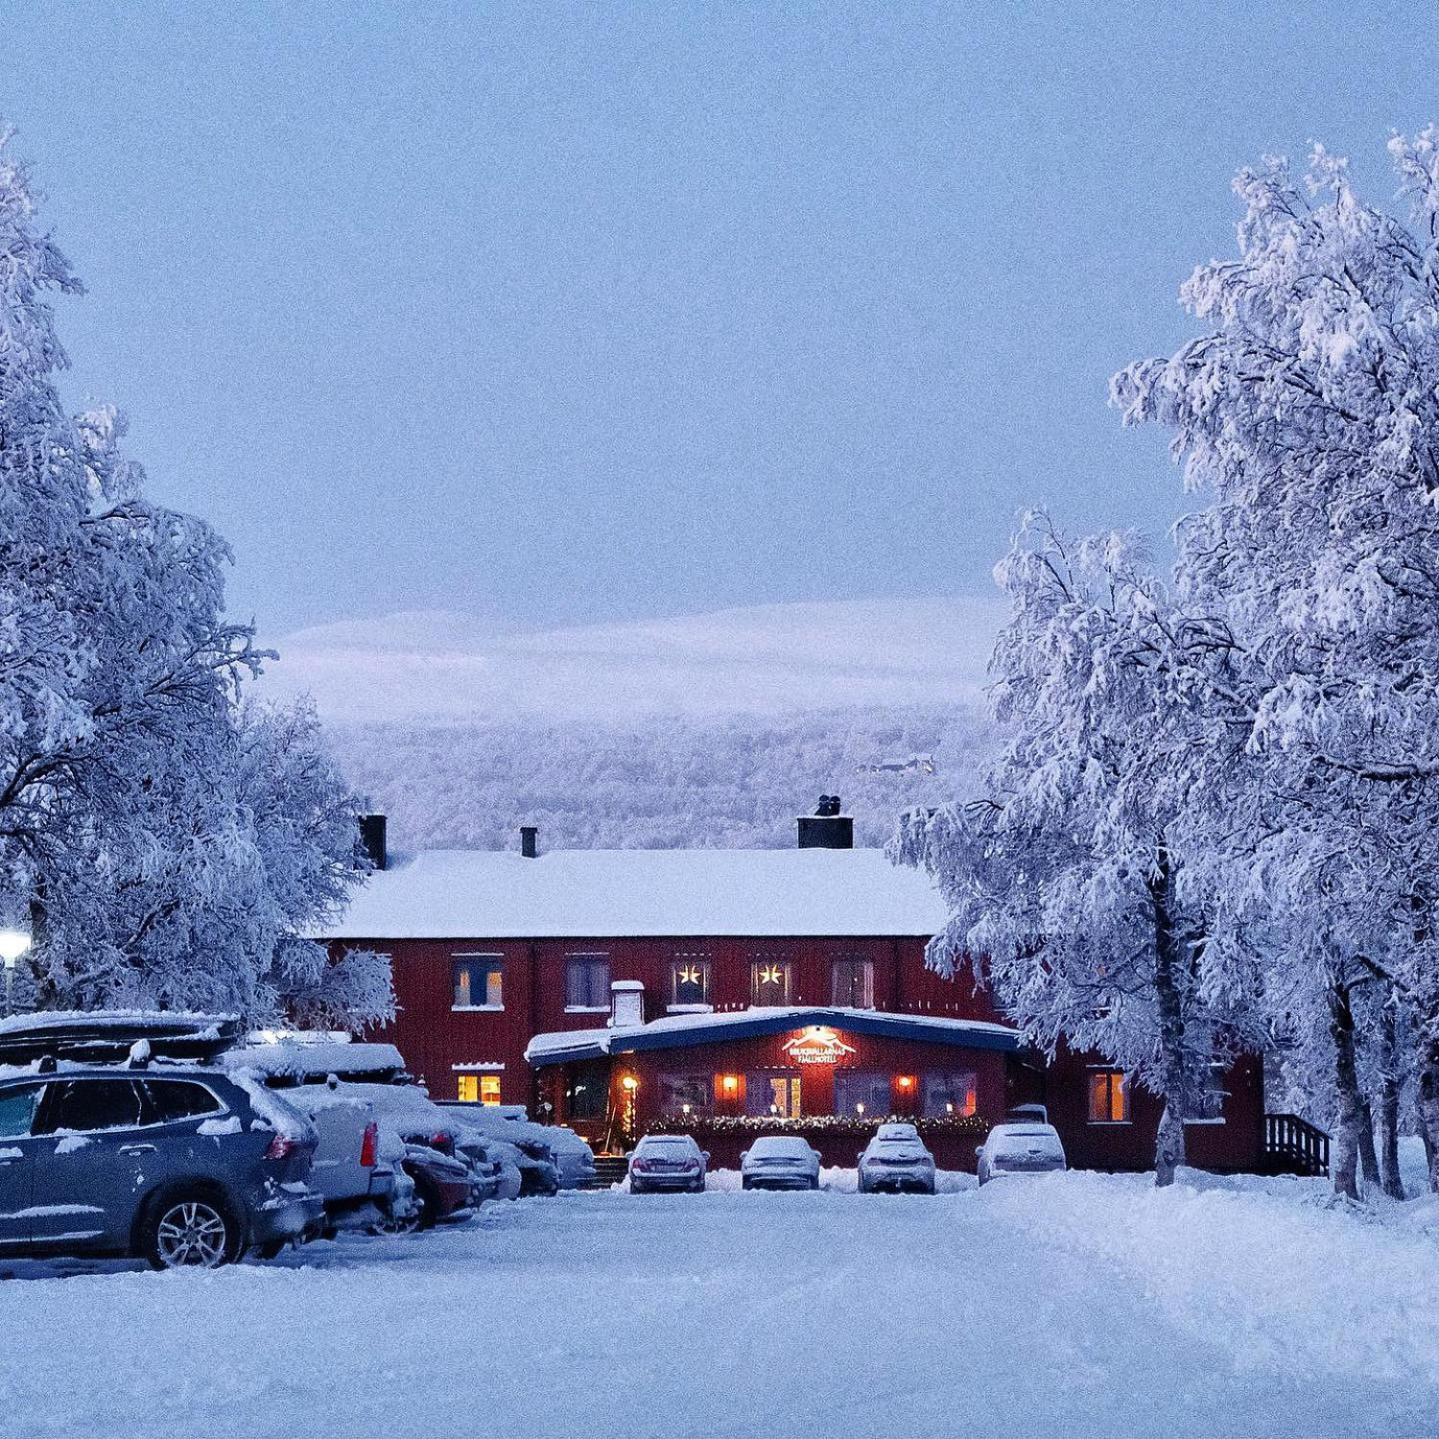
443 1142
370 1145
282 1146
640 1166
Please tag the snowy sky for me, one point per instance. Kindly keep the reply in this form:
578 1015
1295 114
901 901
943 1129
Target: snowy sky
568 316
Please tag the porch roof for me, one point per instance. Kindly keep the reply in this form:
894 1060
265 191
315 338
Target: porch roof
680 1031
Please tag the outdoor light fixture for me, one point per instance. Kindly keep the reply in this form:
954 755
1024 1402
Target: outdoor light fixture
686 1109
13 943
905 1081
630 1083
731 1083
859 1109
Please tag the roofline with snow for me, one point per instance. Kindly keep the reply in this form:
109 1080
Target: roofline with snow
953 1033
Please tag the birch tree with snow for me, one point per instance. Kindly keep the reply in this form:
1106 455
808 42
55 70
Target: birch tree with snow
166 847
1066 881
1307 417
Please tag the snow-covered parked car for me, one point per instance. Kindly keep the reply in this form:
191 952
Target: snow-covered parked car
185 1167
572 1157
779 1161
896 1159
1020 1148
667 1161
359 1166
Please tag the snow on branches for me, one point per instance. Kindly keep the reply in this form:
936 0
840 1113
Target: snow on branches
1253 747
167 846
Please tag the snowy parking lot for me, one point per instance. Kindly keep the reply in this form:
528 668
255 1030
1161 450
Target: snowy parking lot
1076 1305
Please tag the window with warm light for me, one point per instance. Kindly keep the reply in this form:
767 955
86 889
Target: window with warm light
478 1088
690 979
947 1092
685 1094
772 1092
479 981
769 981
1108 1097
587 981
852 983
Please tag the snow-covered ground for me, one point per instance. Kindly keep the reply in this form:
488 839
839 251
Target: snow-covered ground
1077 1305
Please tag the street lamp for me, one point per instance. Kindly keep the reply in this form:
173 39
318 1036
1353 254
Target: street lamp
13 943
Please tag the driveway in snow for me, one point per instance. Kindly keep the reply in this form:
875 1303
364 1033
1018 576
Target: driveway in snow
1077 1305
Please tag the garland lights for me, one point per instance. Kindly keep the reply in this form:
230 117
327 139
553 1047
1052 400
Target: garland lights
958 1124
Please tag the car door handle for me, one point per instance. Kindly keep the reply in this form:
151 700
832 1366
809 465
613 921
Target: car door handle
137 1149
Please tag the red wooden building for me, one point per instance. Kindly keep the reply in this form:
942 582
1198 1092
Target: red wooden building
727 991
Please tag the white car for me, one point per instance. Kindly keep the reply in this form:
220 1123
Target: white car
667 1161
896 1159
1022 1148
779 1161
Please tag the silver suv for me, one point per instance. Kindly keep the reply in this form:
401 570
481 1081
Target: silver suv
183 1168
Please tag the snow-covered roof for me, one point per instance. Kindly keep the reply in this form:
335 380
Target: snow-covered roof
617 893
678 1031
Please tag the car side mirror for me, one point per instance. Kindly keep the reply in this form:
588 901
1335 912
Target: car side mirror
705 1155
743 1155
978 1150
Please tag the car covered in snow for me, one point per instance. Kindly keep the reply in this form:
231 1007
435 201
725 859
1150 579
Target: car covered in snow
571 1156
896 1159
1022 1147
185 1168
667 1162
779 1161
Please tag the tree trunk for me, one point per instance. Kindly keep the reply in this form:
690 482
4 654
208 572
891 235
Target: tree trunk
1368 1155
1428 1104
1169 1143
1349 1103
1390 1081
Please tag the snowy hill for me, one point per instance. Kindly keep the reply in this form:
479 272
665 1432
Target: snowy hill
770 659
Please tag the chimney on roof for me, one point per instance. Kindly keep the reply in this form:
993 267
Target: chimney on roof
826 828
530 841
372 836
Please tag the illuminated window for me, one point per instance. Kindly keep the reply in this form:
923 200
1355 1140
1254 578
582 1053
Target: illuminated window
587 981
690 979
479 1088
949 1091
772 1092
769 981
1108 1097
479 981
852 983
682 1094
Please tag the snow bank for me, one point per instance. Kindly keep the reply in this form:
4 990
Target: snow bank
1292 1281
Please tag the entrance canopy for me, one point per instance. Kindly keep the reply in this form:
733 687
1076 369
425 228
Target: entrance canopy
683 1030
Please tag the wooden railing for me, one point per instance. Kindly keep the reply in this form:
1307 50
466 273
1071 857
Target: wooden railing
1294 1146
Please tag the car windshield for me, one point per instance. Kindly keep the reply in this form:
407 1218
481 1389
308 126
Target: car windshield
677 1144
897 1134
1028 1137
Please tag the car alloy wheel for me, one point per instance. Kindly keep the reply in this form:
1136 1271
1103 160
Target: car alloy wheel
193 1234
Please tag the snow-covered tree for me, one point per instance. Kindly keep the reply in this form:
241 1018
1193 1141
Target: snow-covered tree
1307 416
1066 880
167 847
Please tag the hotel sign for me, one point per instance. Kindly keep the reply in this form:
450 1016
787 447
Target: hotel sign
817 1045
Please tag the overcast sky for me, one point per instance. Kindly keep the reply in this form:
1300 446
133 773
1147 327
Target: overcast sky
576 315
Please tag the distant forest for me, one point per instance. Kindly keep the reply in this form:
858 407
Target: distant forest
735 781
